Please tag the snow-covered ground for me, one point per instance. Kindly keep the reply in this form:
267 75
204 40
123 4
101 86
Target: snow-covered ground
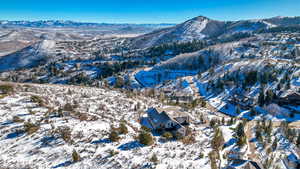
103 108
93 111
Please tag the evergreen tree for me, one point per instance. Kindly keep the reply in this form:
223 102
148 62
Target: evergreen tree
298 140
123 128
119 82
218 140
223 121
268 129
145 138
258 132
261 98
75 156
251 78
269 96
274 145
212 123
154 158
241 141
237 110
113 135
253 112
239 130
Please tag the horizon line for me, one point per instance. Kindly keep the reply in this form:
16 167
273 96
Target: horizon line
135 23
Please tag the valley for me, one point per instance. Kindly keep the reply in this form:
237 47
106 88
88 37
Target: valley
74 95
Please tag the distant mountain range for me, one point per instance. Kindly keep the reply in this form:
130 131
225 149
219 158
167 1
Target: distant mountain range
61 23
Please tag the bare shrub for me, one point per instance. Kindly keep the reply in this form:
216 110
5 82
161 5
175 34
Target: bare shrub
188 140
37 99
65 133
17 119
31 128
69 107
123 128
154 158
113 135
83 117
6 89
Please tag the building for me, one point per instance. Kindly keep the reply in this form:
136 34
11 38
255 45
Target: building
243 101
181 97
290 99
291 161
168 119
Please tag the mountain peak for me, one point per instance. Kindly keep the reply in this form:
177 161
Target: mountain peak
200 18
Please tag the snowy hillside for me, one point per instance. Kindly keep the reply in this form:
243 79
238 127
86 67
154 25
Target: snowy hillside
201 94
27 57
200 28
43 125
194 29
253 85
86 115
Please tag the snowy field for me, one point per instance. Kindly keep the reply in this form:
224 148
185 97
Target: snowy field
94 111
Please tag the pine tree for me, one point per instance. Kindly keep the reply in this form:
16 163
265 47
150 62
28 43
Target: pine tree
261 98
269 96
268 129
200 60
123 128
253 112
119 82
212 123
145 138
274 145
241 141
237 110
240 130
258 132
75 156
154 158
223 121
114 135
218 139
298 140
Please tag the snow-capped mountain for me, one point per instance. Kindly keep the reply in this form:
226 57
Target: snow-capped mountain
196 28
200 28
63 23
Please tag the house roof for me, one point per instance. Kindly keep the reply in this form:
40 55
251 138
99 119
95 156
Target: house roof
156 116
173 111
181 94
290 95
161 115
292 157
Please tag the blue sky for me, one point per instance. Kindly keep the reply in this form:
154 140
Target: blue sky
145 11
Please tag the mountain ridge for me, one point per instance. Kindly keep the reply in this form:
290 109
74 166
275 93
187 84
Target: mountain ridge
201 28
66 23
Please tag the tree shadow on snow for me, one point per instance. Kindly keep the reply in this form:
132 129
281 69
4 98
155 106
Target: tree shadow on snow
238 162
7 123
253 140
130 146
22 115
101 141
64 164
46 141
230 142
14 135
